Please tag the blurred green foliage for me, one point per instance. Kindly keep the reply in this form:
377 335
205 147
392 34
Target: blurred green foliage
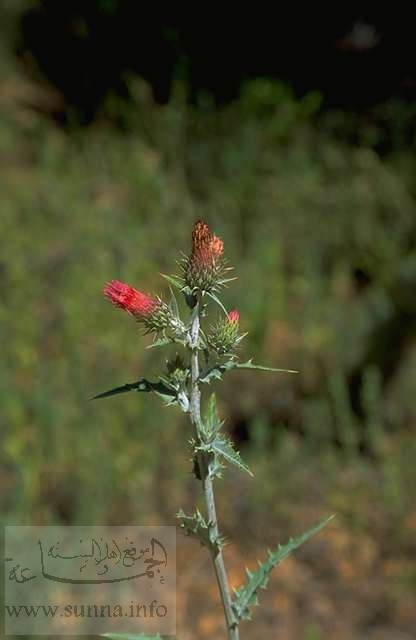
322 235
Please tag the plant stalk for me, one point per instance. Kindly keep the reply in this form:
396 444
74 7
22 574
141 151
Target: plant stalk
207 483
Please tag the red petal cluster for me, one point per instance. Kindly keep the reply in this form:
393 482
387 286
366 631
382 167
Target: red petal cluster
204 268
130 300
233 317
206 247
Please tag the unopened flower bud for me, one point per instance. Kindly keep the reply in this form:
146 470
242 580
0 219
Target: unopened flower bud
178 373
224 336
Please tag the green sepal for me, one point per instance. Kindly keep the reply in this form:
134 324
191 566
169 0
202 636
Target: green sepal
223 448
246 596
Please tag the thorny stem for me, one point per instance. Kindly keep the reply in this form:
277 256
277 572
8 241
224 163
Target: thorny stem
207 484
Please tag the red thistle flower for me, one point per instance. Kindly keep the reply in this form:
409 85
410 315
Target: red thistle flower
153 312
129 299
204 268
206 248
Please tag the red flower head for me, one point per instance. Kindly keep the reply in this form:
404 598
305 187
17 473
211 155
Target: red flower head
204 267
153 312
206 247
129 299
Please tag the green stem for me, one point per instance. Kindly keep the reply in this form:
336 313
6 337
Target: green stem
207 484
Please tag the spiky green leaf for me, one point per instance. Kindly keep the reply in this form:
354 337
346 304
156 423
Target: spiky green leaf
216 372
246 596
249 365
197 527
223 448
142 385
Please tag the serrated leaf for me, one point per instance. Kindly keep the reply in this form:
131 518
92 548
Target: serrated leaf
246 596
142 385
216 372
223 448
131 636
249 365
197 527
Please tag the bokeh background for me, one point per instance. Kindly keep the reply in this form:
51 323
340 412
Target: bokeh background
294 136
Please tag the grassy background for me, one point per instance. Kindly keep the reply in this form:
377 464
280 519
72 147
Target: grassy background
322 237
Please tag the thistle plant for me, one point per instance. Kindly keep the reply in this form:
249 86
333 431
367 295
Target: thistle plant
206 352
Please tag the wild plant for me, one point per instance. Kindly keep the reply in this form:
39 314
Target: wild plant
206 352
